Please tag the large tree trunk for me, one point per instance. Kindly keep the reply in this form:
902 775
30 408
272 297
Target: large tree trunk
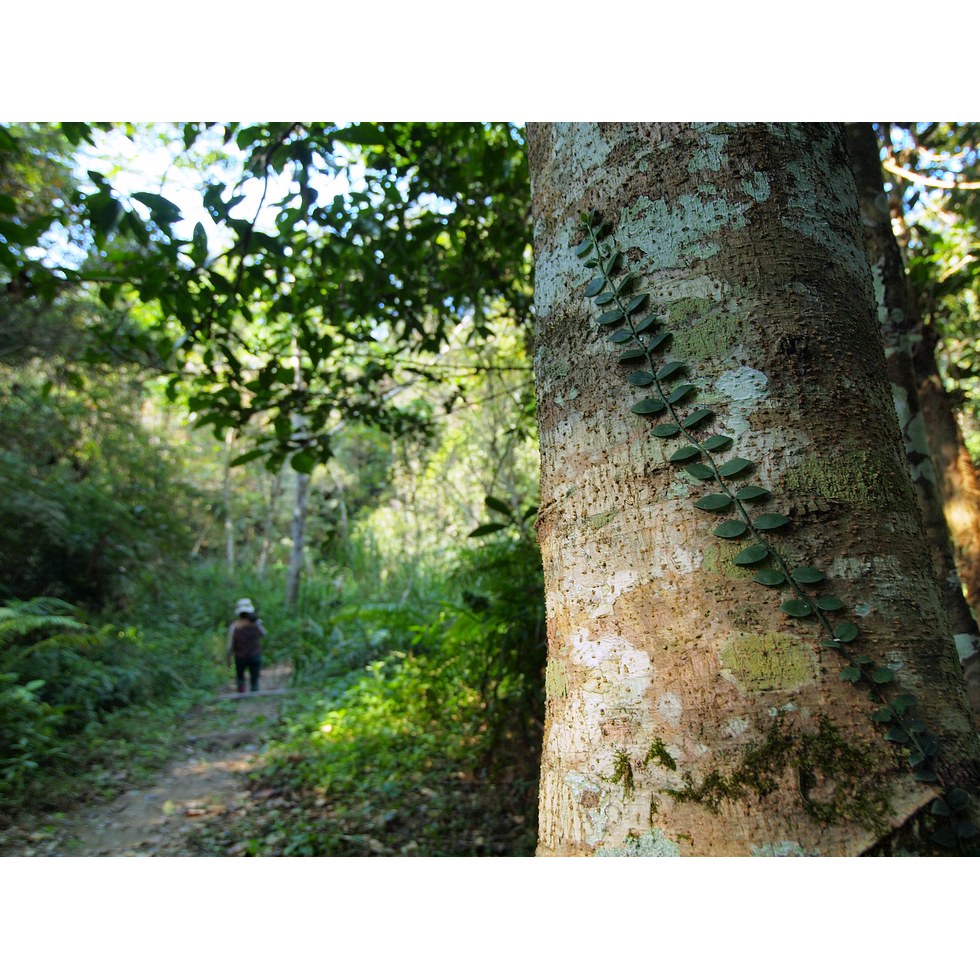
687 714
895 315
228 499
298 534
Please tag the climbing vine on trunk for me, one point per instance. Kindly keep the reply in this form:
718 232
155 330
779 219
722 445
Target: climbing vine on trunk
668 399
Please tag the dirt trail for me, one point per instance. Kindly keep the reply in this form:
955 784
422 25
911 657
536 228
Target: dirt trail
206 779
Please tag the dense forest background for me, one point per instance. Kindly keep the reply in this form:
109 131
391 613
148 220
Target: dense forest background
293 362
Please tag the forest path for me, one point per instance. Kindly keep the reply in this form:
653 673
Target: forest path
208 778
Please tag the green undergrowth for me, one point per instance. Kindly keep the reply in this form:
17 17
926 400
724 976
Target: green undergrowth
418 729
90 704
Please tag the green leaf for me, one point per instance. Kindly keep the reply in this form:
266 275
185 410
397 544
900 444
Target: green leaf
966 829
595 286
609 265
940 809
716 444
499 506
649 406
735 466
640 379
679 393
805 574
769 576
303 461
882 715
647 323
685 453
604 299
247 457
751 493
731 529
958 799
796 607
618 336
897 734
713 502
485 529
769 522
700 472
584 248
751 555
926 776
199 249
670 369
633 354
666 430
829 603
609 318
163 211
637 302
883 675
852 674
658 340
903 702
697 417
846 632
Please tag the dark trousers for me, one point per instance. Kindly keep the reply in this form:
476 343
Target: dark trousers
253 665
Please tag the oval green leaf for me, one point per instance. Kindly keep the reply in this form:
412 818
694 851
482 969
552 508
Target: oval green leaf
770 577
680 393
595 287
731 529
751 555
850 674
584 248
697 417
609 318
640 379
647 323
633 354
717 444
751 493
714 501
796 607
685 454
769 522
649 406
846 633
658 340
637 302
666 430
829 603
670 369
623 334
604 299
700 472
805 574
735 466
883 675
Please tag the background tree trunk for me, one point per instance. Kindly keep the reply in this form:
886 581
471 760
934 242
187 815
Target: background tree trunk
227 496
685 713
895 314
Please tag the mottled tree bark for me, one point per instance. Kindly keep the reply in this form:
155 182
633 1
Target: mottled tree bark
895 315
685 713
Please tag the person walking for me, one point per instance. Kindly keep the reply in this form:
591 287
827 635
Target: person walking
245 644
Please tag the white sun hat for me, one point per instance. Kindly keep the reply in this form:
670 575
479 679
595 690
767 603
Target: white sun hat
244 605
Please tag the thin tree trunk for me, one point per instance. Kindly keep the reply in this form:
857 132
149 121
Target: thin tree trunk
298 535
686 712
301 496
228 502
269 524
895 315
